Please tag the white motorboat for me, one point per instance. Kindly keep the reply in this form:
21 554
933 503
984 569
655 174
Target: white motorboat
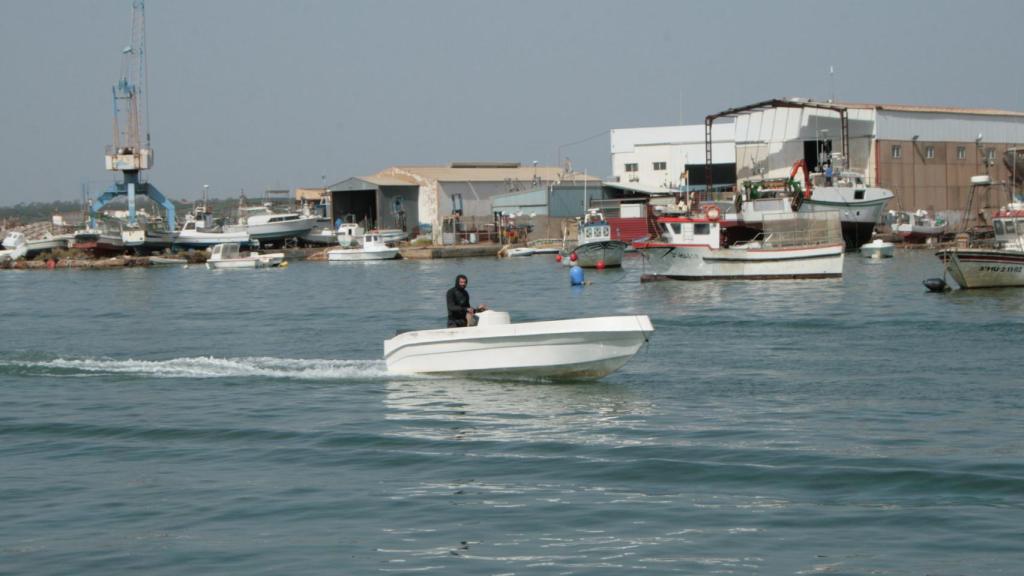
194 234
877 248
578 348
998 264
790 246
47 243
321 235
167 261
373 248
594 245
268 226
916 227
349 234
228 256
14 246
520 251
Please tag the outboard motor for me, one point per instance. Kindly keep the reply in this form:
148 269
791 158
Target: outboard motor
493 318
935 285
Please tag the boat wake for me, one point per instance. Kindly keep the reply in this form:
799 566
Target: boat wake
204 367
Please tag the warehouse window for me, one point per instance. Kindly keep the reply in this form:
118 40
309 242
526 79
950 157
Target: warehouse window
929 152
631 167
660 165
961 153
897 151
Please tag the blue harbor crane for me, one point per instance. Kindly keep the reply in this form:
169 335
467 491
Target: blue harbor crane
130 152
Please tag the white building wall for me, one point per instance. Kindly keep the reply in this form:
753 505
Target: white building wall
676 146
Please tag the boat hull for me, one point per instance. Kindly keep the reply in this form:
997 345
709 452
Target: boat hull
975 268
583 348
858 217
607 252
200 240
676 262
272 231
360 255
877 251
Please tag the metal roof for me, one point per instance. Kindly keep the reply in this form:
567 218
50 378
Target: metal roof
411 174
640 188
842 106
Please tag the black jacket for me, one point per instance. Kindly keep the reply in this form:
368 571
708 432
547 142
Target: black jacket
458 305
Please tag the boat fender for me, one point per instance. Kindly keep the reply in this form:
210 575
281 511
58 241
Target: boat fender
572 257
713 213
576 276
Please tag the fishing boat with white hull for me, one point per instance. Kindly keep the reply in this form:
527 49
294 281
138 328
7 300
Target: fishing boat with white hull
594 247
860 207
789 246
577 348
1001 264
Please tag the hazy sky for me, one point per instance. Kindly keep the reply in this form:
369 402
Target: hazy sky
262 94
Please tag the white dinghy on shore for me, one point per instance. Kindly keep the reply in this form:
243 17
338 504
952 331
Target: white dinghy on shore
576 348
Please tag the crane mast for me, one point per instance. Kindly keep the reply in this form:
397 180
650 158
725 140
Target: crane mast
130 151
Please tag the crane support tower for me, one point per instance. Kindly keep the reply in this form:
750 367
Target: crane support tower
131 152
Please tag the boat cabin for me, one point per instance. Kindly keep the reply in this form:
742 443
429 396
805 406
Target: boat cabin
594 228
1008 225
227 251
690 231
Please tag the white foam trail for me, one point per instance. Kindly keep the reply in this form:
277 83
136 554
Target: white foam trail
210 367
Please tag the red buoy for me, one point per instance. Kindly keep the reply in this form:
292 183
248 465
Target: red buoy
558 257
572 257
600 265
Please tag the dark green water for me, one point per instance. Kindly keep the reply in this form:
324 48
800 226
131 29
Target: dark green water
241 422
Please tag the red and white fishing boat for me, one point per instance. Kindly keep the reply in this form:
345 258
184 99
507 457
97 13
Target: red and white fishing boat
999 264
705 246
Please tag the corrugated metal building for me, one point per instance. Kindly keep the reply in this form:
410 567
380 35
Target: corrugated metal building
419 199
924 154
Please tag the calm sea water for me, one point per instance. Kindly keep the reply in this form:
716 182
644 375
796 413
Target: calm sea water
182 420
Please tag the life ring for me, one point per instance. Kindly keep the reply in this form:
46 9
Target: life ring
713 213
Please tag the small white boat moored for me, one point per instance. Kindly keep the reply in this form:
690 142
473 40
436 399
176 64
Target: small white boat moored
226 256
577 348
877 248
373 248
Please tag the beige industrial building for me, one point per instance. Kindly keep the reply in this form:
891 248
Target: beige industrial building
925 154
437 199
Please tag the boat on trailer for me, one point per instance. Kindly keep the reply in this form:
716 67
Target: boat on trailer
576 348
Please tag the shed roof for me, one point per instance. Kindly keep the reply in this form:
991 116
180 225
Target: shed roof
480 172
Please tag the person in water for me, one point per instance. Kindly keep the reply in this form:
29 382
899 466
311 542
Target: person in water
460 312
